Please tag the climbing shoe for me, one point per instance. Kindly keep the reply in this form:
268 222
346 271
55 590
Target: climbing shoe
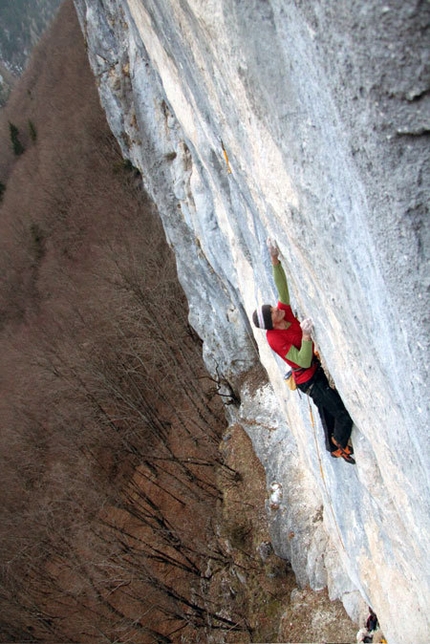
341 453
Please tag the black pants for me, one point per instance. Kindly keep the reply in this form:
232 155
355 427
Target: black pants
335 419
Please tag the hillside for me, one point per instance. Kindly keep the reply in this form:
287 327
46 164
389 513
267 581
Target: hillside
128 513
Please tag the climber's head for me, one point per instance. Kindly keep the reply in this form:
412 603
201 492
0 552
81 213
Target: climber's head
267 317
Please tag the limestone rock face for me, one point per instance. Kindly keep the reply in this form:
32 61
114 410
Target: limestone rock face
306 122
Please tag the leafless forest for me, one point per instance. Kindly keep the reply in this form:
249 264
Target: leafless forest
122 520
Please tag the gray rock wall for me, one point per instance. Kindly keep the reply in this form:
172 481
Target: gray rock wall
306 122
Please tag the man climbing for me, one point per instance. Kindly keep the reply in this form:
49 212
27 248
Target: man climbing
292 342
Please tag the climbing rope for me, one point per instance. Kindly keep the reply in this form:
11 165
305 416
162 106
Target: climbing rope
318 453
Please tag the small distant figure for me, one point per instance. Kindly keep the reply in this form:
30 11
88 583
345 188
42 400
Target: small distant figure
371 633
372 621
293 343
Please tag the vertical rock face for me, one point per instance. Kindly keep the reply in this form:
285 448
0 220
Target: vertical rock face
309 123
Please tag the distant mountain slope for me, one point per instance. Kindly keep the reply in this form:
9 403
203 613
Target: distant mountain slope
22 22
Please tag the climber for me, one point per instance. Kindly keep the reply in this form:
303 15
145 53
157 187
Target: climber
292 342
372 621
371 633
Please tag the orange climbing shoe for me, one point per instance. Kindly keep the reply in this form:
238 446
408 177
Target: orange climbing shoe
342 452
350 448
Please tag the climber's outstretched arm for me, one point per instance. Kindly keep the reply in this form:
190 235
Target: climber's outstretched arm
281 283
279 274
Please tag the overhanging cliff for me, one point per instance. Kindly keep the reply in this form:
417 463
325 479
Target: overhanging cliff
308 124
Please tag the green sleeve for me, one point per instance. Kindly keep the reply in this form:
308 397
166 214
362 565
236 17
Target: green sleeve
302 356
281 283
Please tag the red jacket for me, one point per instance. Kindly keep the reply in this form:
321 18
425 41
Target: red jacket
281 340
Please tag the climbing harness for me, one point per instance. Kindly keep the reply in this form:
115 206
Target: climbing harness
289 379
